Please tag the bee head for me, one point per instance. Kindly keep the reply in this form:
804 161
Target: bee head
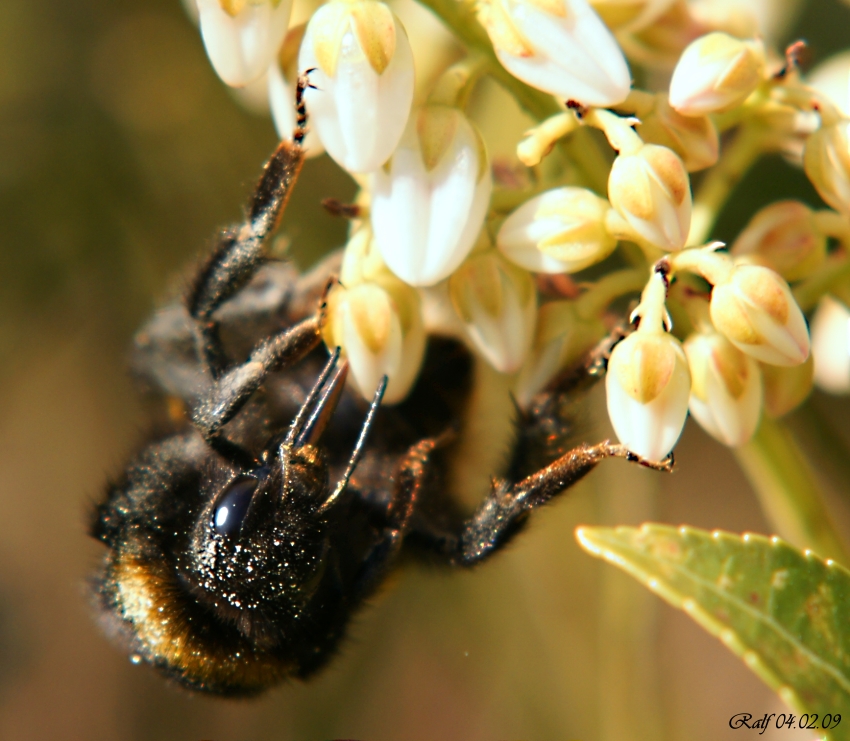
258 549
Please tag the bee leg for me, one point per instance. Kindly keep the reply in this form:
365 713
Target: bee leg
507 507
546 424
237 256
239 252
410 479
231 390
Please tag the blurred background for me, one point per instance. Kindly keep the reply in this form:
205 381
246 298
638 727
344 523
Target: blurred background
120 154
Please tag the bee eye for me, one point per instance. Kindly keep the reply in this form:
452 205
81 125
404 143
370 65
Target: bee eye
233 504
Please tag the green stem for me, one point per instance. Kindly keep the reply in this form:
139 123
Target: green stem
721 179
582 151
824 442
595 300
788 491
505 200
834 271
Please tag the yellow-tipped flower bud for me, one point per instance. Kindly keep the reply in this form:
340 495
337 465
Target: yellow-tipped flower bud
786 387
559 231
363 81
242 36
376 322
831 346
715 73
726 388
430 200
647 385
497 303
650 189
784 237
754 308
648 381
558 46
693 138
826 160
561 339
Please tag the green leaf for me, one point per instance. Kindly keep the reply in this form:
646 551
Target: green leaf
786 613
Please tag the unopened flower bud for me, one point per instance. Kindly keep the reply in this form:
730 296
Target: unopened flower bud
283 77
648 381
826 160
661 43
650 189
647 386
786 387
831 78
558 46
561 339
629 15
693 138
831 346
726 388
377 322
429 202
784 237
559 231
715 73
497 303
754 308
242 36
363 81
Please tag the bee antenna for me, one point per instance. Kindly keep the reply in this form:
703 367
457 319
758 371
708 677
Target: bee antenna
357 453
307 406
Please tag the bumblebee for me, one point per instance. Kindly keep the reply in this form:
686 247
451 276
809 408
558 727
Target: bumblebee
241 541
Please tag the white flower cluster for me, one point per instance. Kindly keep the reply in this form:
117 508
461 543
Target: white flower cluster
429 233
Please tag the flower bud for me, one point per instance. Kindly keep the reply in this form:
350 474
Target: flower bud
754 308
832 79
497 303
283 77
726 388
650 189
242 36
558 46
363 81
826 160
661 43
377 322
647 385
715 73
831 346
559 231
693 138
629 15
561 339
429 202
784 237
785 388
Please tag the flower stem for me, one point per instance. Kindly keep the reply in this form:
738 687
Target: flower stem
835 270
788 491
720 180
596 299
